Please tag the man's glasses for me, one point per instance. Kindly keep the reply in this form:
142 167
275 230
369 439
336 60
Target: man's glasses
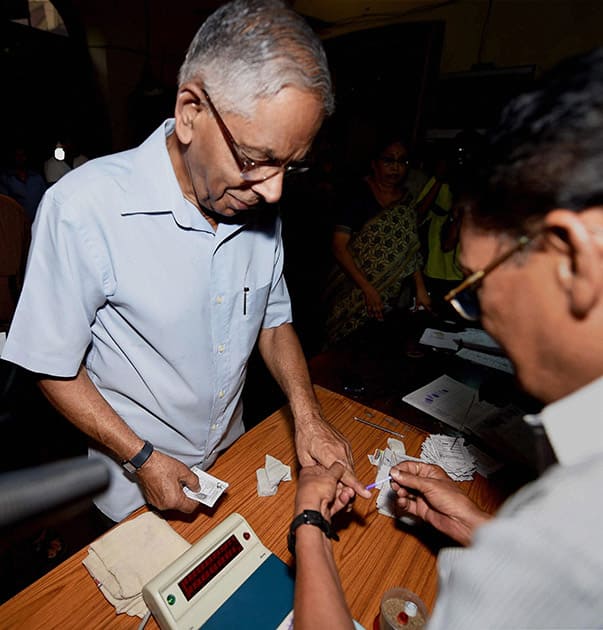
390 161
252 170
464 298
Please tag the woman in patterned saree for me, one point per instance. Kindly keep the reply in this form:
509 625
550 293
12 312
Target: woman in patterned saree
376 245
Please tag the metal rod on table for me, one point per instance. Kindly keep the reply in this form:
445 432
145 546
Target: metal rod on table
377 426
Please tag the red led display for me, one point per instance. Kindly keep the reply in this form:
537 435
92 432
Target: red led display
207 570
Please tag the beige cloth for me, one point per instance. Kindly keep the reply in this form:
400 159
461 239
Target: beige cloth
130 555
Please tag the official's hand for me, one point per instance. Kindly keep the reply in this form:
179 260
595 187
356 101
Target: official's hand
320 488
374 303
162 478
426 491
317 442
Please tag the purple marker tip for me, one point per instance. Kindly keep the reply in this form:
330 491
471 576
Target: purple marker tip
376 484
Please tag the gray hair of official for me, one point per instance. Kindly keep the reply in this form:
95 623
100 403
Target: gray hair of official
252 49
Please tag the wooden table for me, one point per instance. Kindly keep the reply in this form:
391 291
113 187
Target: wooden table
374 552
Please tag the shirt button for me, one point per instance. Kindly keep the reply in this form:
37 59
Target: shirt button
221 348
214 427
219 299
221 393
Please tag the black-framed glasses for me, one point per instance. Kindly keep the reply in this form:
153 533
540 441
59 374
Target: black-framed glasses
464 298
250 169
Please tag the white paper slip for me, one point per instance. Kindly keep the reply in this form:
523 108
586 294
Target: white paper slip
470 337
269 477
211 488
478 337
454 403
439 339
489 360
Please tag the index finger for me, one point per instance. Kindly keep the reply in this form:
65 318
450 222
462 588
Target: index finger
349 479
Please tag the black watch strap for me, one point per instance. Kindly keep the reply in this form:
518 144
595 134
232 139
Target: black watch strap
132 465
309 517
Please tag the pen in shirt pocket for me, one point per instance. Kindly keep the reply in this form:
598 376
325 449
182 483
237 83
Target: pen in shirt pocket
245 292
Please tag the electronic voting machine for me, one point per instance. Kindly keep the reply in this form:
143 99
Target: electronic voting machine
228 579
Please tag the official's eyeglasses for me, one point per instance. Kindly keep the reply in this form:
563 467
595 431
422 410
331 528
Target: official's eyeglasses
253 170
464 297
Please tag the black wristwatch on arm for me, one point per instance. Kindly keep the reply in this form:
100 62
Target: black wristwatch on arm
132 465
309 517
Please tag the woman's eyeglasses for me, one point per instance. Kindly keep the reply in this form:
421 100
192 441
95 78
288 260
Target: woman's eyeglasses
250 169
390 161
464 297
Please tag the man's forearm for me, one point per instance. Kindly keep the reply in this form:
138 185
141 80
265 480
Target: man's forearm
82 404
319 598
283 355
316 441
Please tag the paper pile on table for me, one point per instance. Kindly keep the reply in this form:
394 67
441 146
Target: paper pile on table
451 454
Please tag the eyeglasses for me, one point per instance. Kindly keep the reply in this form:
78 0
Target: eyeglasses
390 161
253 170
464 298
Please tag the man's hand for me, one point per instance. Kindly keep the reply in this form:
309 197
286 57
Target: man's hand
161 478
320 488
426 491
317 442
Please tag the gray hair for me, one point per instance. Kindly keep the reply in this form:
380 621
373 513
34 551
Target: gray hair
251 49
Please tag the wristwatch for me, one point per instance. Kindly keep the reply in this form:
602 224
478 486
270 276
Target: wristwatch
132 465
309 517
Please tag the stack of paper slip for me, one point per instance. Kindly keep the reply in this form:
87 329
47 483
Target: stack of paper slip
451 454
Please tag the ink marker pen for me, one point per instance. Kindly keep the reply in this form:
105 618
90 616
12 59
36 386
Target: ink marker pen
379 483
245 292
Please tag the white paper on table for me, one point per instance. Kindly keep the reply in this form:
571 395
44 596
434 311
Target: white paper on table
452 402
489 360
450 340
269 477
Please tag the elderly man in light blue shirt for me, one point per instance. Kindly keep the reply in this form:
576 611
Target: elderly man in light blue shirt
153 272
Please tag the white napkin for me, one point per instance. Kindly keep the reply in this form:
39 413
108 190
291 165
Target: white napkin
130 555
271 475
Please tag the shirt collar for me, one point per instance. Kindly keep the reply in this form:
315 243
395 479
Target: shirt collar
574 424
153 187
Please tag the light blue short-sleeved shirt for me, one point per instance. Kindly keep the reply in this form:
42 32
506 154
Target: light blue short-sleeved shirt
127 276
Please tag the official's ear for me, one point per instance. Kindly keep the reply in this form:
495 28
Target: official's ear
188 105
580 265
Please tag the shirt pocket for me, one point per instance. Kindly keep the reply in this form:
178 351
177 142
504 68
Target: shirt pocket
251 306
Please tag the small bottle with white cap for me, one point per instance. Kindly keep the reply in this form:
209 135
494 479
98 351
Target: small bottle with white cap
410 608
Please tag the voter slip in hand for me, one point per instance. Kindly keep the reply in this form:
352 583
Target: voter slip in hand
211 488
385 459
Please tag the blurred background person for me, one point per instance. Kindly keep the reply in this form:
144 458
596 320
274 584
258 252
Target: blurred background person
22 182
376 245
